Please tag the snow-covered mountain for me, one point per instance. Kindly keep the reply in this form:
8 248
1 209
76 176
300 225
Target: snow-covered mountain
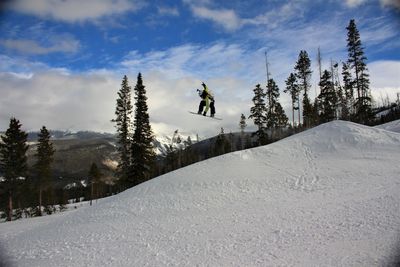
162 141
76 151
326 197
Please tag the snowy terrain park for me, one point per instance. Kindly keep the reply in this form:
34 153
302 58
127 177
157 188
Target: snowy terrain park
329 196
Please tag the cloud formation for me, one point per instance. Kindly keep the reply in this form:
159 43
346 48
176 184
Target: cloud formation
58 100
354 3
25 46
231 21
226 18
391 3
72 11
168 11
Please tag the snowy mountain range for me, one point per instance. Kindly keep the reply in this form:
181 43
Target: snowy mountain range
76 151
328 196
176 140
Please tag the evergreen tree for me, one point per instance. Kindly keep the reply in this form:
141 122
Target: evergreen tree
272 93
257 113
348 85
188 142
327 98
222 144
94 180
276 117
293 89
13 160
123 122
242 123
337 88
242 126
303 73
356 62
44 159
282 119
142 151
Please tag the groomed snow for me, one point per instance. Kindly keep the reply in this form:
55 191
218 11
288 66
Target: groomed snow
325 197
393 126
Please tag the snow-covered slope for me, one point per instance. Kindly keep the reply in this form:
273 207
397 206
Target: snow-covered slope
393 126
326 197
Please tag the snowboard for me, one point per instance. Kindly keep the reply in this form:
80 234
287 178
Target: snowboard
215 118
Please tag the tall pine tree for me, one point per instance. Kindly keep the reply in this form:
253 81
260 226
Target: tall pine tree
293 89
348 84
242 126
356 62
327 98
257 113
221 145
44 159
303 73
282 119
242 123
142 150
276 118
13 160
123 122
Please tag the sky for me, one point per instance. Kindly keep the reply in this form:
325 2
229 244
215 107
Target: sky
62 61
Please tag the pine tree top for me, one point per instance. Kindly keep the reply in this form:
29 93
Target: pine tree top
45 149
13 148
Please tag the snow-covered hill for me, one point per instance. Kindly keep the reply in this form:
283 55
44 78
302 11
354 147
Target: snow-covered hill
393 126
326 197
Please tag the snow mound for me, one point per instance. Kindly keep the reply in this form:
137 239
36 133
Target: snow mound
325 197
393 126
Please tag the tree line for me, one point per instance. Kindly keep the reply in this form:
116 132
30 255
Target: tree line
350 100
23 188
30 191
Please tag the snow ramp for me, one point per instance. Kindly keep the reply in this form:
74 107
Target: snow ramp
326 197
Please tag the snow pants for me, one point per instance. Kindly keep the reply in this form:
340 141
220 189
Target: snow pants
209 105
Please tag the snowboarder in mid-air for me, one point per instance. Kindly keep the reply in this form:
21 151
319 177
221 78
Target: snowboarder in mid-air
207 100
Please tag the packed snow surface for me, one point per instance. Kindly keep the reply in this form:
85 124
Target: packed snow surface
393 126
325 197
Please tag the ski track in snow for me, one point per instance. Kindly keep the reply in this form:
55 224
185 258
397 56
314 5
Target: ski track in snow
326 197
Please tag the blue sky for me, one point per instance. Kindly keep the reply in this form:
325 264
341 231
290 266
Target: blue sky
61 62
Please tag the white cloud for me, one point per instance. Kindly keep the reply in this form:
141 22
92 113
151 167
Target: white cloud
275 17
377 31
385 79
58 100
218 59
231 21
390 3
74 10
63 44
226 18
168 11
354 3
